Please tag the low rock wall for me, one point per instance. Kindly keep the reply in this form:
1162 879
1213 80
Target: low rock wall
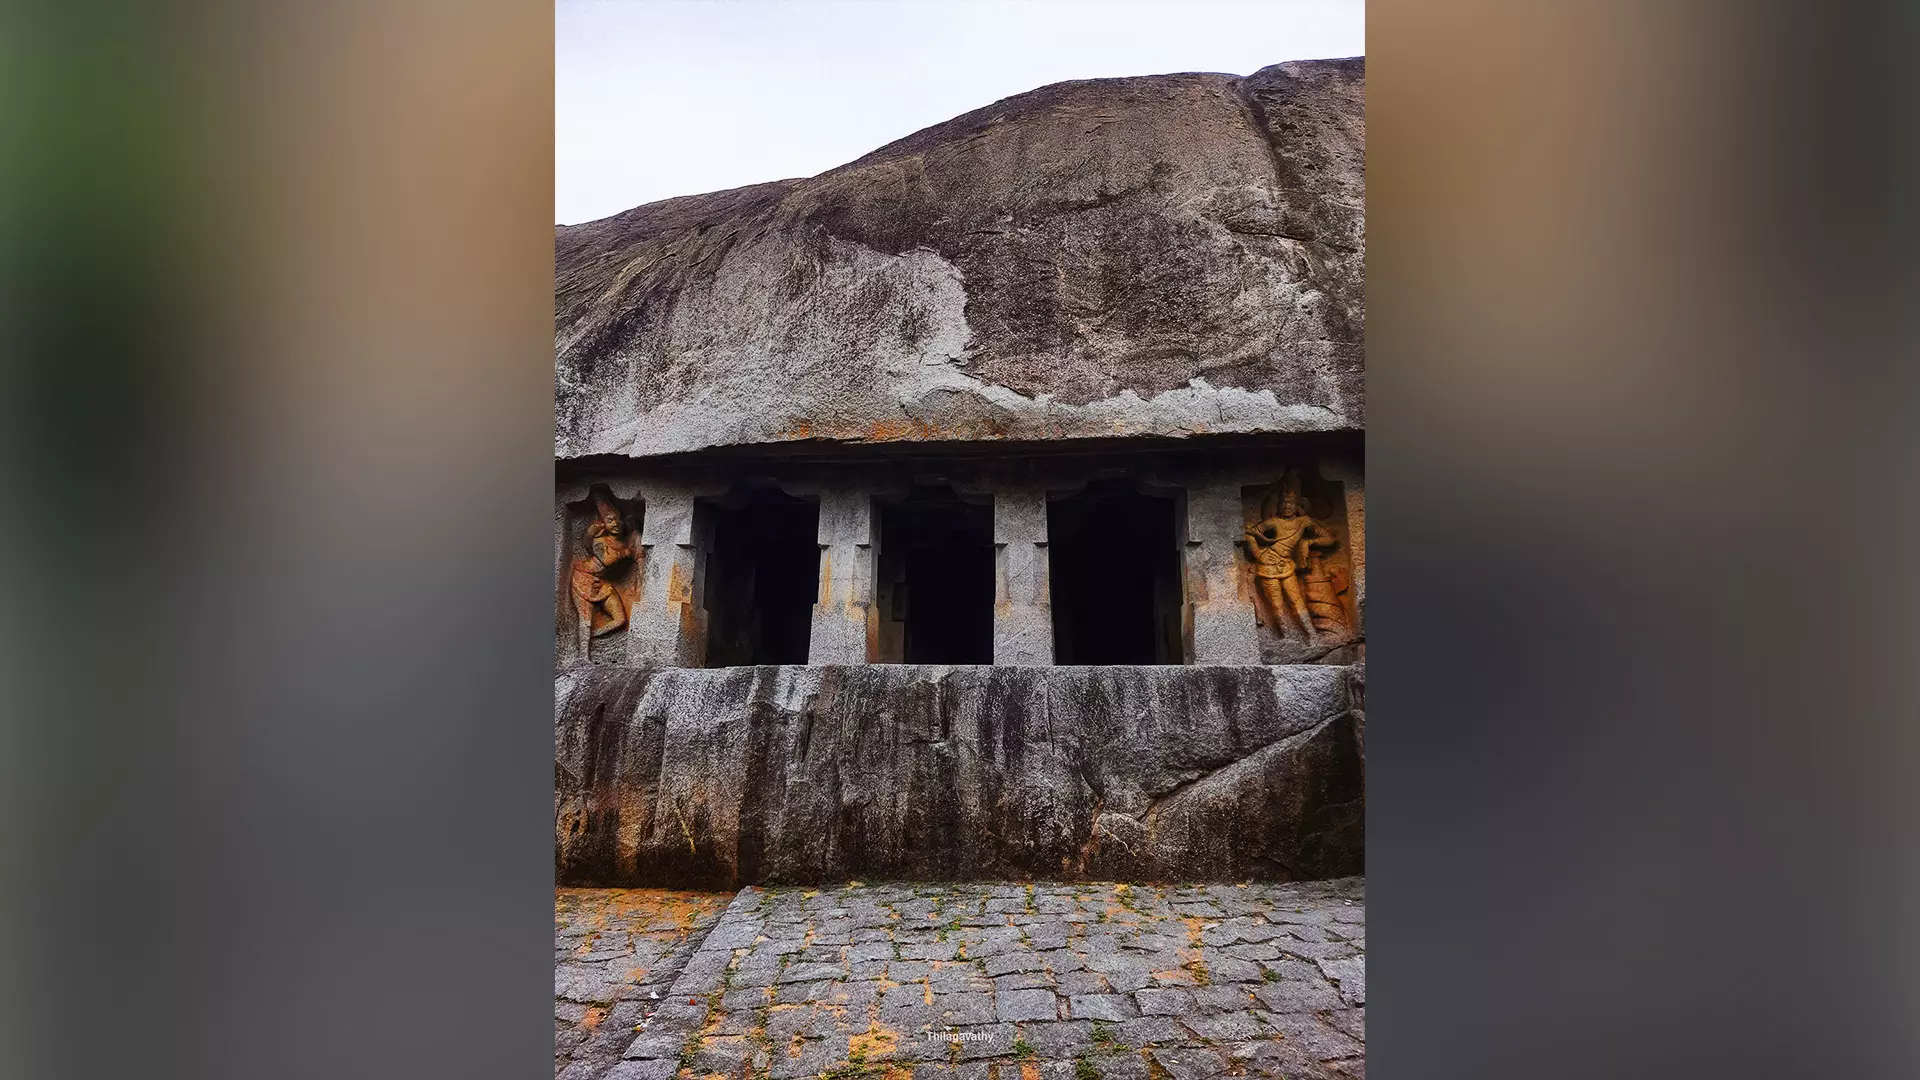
804 774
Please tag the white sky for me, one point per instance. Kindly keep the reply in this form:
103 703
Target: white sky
657 98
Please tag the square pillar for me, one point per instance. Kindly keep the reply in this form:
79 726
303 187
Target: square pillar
666 625
1022 612
1225 621
842 612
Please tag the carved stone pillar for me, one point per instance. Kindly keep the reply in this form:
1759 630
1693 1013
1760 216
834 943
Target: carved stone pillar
666 625
1022 613
1225 623
841 614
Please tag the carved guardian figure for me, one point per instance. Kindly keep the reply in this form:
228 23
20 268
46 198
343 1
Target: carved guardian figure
1285 541
601 609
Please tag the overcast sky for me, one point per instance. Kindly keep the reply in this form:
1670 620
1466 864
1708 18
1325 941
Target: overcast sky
657 98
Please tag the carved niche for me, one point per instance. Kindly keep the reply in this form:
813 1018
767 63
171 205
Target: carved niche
600 577
1300 573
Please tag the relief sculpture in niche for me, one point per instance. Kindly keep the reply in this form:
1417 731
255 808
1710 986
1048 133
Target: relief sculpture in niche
596 598
1289 550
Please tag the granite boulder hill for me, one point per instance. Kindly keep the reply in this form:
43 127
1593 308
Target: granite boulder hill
1170 256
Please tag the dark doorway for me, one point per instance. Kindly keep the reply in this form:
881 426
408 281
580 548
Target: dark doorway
1114 577
762 578
936 569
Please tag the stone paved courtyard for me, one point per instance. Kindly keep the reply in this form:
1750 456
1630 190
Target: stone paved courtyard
616 953
986 982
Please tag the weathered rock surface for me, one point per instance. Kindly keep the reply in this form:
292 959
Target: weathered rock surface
723 777
1169 255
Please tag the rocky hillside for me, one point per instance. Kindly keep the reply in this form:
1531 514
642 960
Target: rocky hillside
1168 255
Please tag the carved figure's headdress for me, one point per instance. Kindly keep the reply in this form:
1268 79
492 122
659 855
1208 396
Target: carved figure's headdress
1289 485
607 515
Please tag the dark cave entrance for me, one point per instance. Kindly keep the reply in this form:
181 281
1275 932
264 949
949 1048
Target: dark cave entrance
936 564
762 577
1114 577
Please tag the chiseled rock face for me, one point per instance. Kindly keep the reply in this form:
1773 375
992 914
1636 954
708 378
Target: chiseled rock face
724 777
1169 255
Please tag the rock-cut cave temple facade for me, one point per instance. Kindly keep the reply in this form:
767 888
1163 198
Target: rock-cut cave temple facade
990 506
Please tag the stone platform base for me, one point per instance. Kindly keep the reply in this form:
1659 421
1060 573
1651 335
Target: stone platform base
719 778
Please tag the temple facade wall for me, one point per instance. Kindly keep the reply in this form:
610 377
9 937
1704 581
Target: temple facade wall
1242 555
878 553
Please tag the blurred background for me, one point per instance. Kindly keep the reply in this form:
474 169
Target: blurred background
276 684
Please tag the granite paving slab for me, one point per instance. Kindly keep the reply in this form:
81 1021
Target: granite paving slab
616 954
1001 981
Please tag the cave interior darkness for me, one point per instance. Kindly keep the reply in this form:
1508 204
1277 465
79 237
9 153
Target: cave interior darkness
1114 577
762 577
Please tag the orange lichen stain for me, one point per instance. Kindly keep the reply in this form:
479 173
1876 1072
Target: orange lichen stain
639 911
1176 976
690 628
991 429
901 431
878 1041
595 1014
1198 968
679 585
1029 1070
926 992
